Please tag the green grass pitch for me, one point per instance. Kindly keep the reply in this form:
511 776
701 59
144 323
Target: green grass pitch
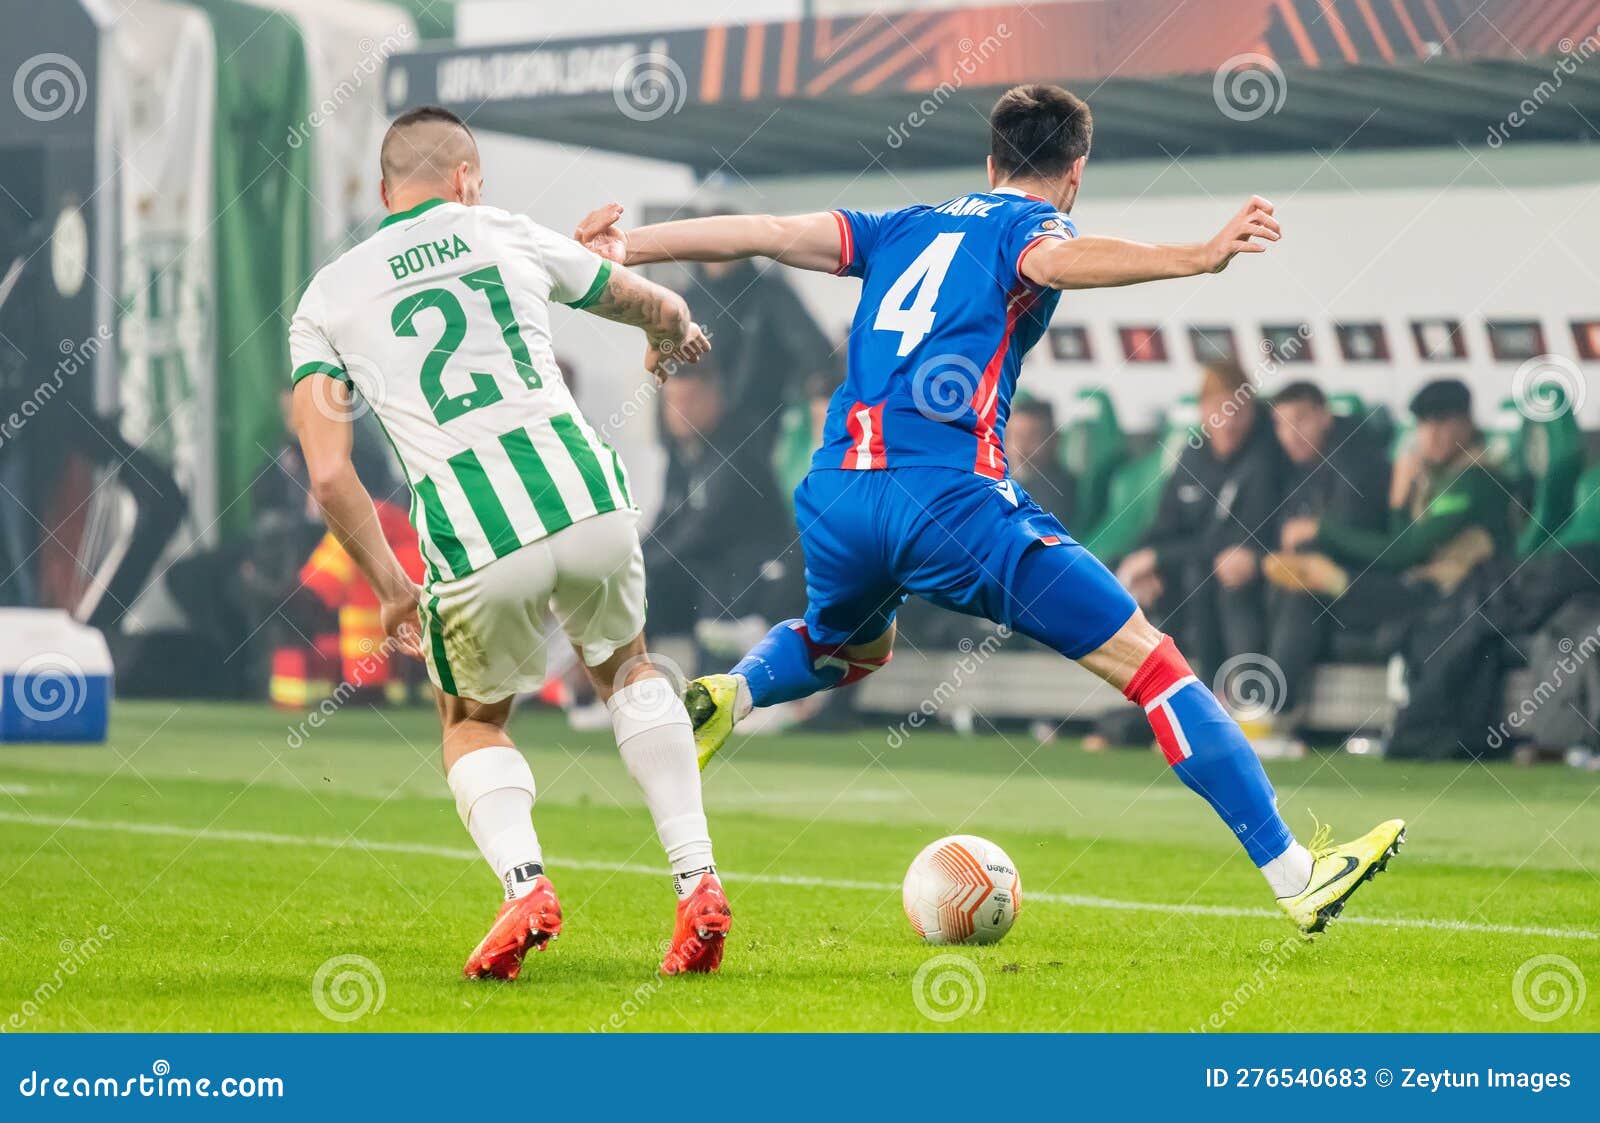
198 871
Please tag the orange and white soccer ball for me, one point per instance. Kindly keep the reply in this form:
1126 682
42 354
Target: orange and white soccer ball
962 890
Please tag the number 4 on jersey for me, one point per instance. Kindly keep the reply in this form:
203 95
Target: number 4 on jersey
923 278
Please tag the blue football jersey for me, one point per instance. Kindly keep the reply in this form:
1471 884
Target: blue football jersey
938 337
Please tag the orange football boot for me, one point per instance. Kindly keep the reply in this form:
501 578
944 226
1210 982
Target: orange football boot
703 922
530 921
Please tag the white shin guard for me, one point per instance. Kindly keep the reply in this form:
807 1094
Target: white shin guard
656 741
494 797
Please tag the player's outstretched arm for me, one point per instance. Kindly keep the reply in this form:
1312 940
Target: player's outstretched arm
630 299
321 420
1094 263
805 241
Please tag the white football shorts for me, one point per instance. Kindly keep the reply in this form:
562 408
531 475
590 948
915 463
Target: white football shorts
485 633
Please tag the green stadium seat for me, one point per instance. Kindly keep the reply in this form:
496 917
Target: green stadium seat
791 455
1346 403
1092 449
1379 424
1582 527
1405 429
1545 461
1375 422
1135 491
1502 439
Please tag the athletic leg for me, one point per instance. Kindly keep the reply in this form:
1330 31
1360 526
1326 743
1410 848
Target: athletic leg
848 630
1063 597
493 786
599 597
1212 757
788 664
494 790
657 745
1204 746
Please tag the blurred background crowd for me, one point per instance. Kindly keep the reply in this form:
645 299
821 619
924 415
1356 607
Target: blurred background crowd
1278 537
1355 480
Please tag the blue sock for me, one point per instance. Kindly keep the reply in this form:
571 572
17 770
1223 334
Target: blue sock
1208 751
1223 770
782 667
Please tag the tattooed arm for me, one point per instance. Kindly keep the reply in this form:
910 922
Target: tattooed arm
630 299
804 241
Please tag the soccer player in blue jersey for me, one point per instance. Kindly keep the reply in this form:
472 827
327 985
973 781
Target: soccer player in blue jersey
909 493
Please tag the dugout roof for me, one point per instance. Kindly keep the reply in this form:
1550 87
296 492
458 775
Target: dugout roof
910 89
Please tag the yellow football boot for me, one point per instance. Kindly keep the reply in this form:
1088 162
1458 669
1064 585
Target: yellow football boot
709 701
1338 870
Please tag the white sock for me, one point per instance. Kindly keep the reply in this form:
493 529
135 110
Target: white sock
1290 872
494 797
742 702
657 744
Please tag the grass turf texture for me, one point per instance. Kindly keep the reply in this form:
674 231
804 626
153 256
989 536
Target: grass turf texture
226 931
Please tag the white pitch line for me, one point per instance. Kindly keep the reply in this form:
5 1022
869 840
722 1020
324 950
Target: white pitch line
458 853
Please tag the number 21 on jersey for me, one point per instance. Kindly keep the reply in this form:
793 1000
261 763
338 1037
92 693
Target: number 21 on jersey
907 307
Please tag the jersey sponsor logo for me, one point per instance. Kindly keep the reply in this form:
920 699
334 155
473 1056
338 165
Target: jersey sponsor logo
966 206
427 255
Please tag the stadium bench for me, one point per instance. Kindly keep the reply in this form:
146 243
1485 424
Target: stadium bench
1011 685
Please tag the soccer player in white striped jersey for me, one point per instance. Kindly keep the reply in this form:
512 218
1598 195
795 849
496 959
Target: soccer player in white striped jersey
439 321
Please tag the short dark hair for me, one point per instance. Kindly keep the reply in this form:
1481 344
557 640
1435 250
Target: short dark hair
1303 392
1038 130
398 158
419 113
1442 398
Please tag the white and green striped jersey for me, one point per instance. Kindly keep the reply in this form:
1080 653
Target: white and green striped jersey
440 321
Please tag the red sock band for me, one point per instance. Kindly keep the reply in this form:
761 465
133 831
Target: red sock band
1163 667
832 655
